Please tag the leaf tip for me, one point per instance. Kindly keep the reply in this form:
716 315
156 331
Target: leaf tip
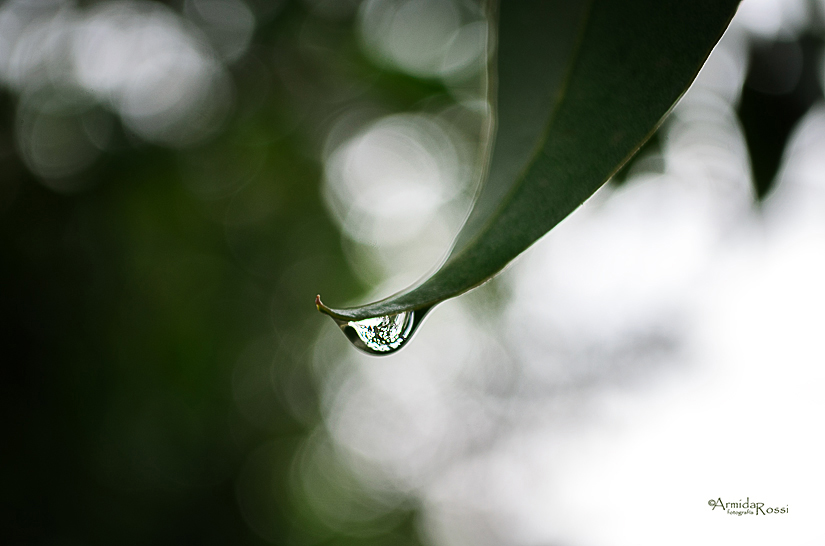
321 307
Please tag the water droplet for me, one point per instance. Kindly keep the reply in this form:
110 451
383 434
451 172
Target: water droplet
384 334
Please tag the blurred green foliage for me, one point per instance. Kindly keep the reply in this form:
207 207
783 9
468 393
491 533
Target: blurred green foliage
127 307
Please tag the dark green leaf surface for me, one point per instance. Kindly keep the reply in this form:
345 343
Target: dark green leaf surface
581 86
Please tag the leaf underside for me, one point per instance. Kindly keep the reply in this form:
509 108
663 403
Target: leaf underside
580 87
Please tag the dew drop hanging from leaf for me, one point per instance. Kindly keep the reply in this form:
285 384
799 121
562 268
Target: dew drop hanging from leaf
380 335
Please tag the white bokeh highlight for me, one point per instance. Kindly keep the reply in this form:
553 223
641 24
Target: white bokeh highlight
424 38
397 186
163 75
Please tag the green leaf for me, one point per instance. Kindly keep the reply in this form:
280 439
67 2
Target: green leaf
581 86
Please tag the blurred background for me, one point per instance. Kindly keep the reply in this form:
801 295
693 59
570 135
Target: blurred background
179 179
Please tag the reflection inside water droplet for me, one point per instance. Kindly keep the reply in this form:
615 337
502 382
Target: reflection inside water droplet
382 335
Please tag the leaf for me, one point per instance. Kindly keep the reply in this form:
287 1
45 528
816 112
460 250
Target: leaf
769 109
581 86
